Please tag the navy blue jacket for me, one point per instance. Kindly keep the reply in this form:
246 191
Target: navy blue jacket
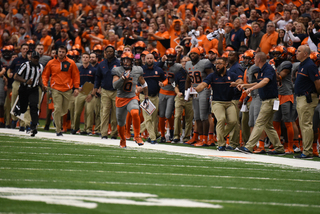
104 76
152 77
87 74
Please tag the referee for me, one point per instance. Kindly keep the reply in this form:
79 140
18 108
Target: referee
29 76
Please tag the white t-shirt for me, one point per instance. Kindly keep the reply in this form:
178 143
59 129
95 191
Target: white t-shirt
282 23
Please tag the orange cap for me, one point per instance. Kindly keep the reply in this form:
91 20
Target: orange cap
195 50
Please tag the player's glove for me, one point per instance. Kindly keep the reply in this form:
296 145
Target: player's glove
146 102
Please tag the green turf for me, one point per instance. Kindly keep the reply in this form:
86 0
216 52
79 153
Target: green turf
35 163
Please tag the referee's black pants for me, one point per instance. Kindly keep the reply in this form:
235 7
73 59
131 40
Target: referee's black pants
30 97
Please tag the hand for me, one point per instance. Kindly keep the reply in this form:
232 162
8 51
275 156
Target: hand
89 98
75 92
240 87
161 84
233 84
248 91
43 88
164 58
179 94
29 82
146 102
240 104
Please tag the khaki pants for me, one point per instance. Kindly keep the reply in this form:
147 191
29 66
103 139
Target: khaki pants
15 93
107 112
71 108
305 113
245 125
265 122
181 104
235 132
7 108
80 102
97 119
49 111
225 112
150 121
61 103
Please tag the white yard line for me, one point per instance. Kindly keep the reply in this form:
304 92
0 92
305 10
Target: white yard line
166 174
176 149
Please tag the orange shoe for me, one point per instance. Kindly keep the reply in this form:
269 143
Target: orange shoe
315 150
190 142
128 136
289 151
123 144
271 146
211 142
259 150
139 141
199 143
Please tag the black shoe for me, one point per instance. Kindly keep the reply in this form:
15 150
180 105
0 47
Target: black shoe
149 140
243 150
171 135
2 125
274 152
74 131
175 140
163 140
21 129
221 148
28 130
303 156
229 148
90 133
59 134
83 133
104 137
114 138
154 142
14 124
8 127
33 132
46 128
97 133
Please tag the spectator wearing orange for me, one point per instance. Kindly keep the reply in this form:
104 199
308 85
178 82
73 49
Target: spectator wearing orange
261 5
96 33
182 8
64 77
162 34
244 22
46 41
269 39
174 30
44 7
61 11
85 6
251 6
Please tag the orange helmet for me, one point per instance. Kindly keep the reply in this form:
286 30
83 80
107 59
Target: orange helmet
291 54
271 52
6 48
70 53
280 53
248 57
145 52
98 47
11 47
171 51
156 53
202 51
76 53
140 44
127 55
315 56
76 47
120 48
30 42
241 59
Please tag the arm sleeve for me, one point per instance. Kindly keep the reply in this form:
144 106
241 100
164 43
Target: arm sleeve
22 69
313 72
46 74
118 84
98 77
208 79
293 38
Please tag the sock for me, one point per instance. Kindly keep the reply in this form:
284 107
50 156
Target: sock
210 136
201 138
277 127
315 150
296 142
261 144
290 134
121 131
205 139
171 122
136 122
1 120
162 126
128 124
195 136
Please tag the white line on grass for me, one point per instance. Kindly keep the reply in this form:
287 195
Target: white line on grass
162 185
261 203
134 164
39 153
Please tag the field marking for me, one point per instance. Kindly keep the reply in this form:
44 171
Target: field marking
261 203
55 154
164 185
212 176
89 198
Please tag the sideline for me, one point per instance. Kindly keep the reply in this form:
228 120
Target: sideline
175 149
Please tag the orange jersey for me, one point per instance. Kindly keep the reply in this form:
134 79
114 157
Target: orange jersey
173 34
64 74
160 47
182 9
93 41
207 45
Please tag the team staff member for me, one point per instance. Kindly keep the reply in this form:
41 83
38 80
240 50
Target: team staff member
103 79
307 85
87 74
97 105
125 79
268 91
64 77
29 76
180 104
13 69
222 106
154 76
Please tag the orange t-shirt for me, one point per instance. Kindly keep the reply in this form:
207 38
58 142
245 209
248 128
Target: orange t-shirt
45 7
93 41
160 47
262 7
182 9
207 45
267 41
46 41
63 12
245 27
173 34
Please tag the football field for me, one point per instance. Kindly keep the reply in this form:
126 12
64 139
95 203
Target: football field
80 174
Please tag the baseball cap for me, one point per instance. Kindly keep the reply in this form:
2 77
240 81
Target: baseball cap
230 25
35 54
316 10
134 20
261 19
279 3
64 30
265 11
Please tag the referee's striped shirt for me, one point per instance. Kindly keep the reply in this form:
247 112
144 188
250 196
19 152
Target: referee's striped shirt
27 71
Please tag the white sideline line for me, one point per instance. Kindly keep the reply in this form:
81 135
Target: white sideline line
163 185
55 154
162 174
86 140
261 203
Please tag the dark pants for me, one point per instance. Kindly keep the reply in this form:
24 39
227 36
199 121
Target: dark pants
29 97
